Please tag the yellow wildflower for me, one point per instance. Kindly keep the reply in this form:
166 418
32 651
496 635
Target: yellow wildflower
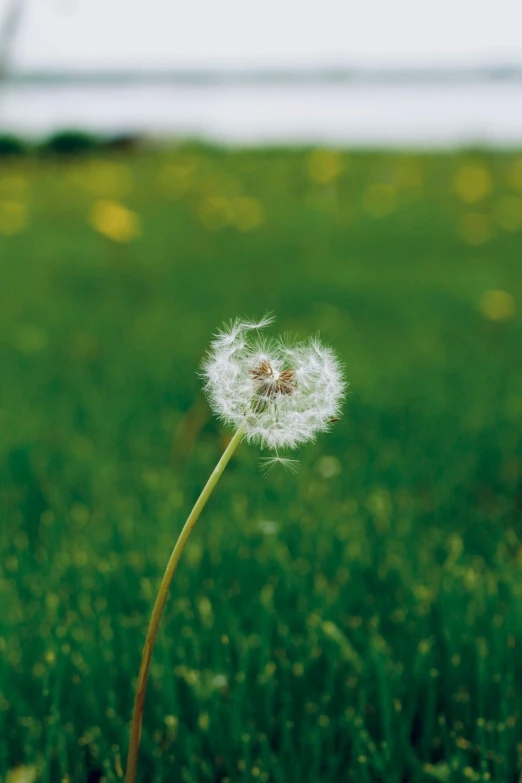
115 221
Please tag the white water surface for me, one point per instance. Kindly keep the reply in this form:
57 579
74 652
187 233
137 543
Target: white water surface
367 115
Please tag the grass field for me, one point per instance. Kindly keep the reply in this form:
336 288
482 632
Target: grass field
360 621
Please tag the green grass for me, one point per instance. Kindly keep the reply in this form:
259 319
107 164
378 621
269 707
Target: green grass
361 621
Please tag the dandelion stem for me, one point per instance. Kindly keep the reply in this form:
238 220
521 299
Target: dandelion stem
139 700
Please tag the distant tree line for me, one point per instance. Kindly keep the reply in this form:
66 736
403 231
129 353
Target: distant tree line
65 143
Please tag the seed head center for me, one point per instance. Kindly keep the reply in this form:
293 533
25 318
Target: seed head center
270 382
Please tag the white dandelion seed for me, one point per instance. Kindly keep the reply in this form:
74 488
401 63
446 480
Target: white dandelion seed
269 463
280 393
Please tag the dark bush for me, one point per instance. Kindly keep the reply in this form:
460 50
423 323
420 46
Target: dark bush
70 142
11 145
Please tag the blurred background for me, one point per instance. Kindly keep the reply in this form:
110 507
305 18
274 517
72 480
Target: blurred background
358 171
281 72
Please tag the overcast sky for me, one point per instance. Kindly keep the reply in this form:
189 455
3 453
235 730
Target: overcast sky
135 33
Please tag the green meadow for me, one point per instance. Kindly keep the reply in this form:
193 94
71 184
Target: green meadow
361 621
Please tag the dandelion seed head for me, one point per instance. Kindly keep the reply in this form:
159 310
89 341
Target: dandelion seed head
282 393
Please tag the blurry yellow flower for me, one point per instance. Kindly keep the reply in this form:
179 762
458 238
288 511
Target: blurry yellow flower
103 178
22 774
213 212
508 213
514 174
475 228
380 200
13 217
204 721
472 183
115 221
497 305
246 213
242 212
324 166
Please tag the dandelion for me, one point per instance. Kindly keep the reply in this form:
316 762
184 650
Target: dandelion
324 166
472 183
115 221
280 393
13 217
246 213
276 394
497 305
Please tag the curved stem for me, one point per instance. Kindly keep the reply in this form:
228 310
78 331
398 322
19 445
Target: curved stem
139 700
